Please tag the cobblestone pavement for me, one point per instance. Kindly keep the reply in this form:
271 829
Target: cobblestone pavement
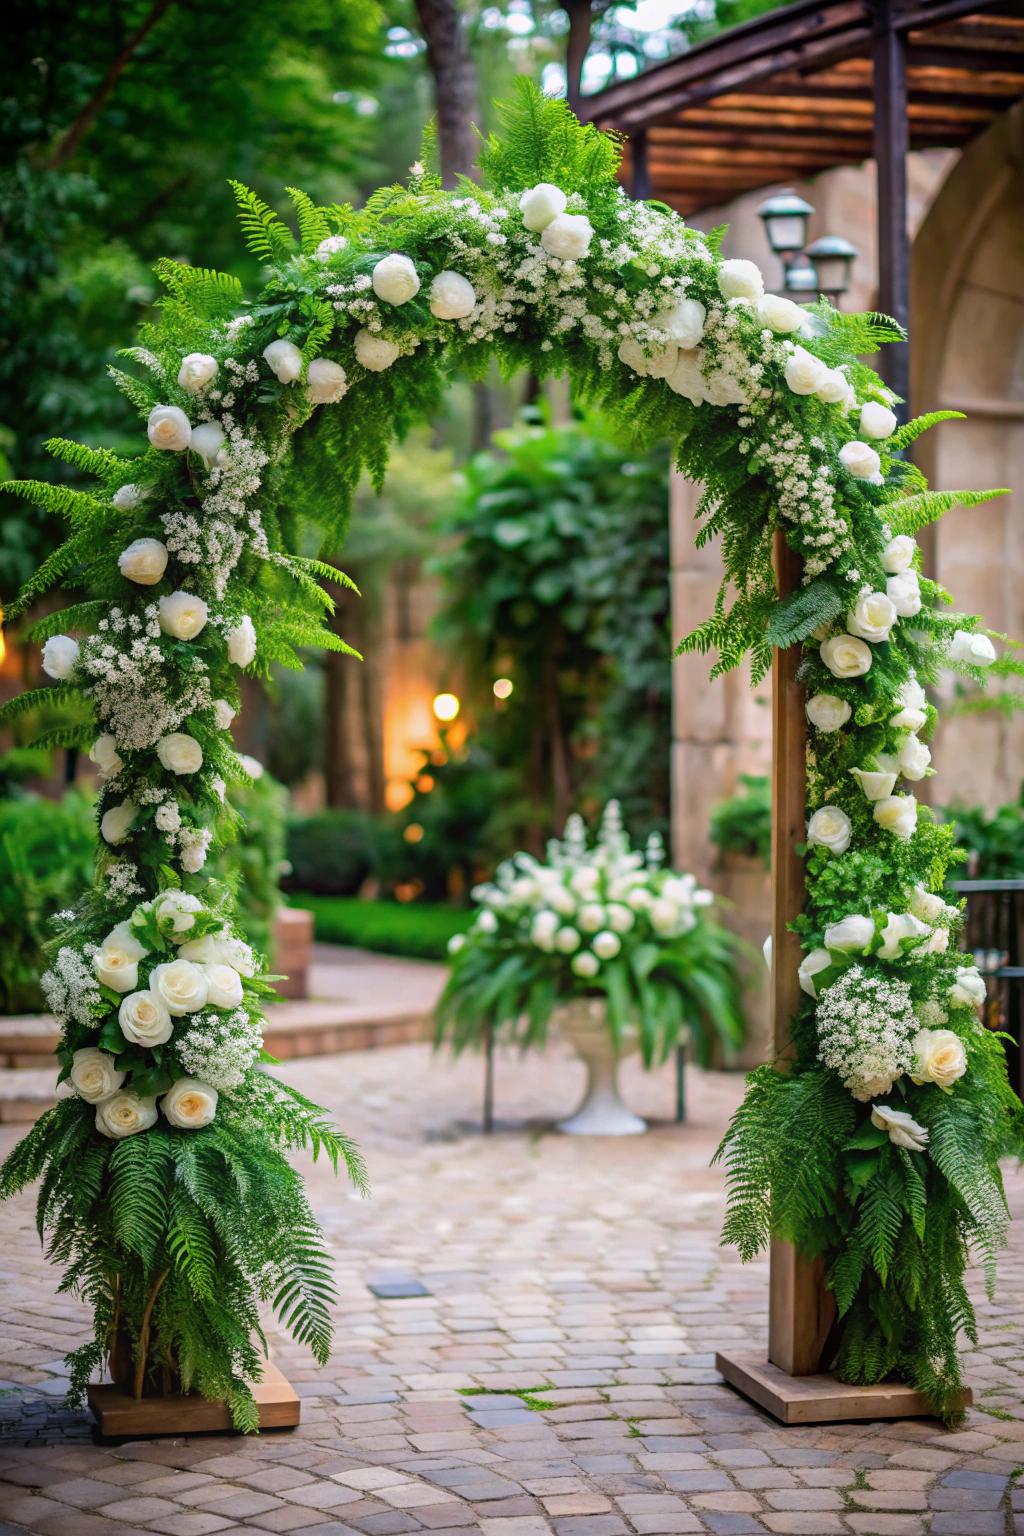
585 1271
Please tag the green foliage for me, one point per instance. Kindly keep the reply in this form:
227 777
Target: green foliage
743 823
253 861
46 859
418 929
331 853
804 611
540 140
912 513
995 843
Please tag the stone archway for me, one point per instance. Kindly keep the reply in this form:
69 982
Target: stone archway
967 323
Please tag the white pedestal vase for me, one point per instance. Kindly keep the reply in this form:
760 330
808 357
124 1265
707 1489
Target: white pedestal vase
584 1023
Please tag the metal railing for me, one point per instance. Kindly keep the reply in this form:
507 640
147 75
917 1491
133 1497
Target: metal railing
994 935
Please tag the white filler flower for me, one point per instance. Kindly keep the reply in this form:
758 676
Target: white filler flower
330 247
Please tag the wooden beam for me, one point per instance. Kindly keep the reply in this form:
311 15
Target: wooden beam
891 149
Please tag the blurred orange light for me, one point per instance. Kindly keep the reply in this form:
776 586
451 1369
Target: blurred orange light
413 832
424 783
446 706
502 687
397 795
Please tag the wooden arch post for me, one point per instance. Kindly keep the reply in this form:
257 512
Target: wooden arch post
789 1382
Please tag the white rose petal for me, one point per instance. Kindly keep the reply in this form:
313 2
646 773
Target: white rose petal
395 279
827 713
877 421
904 592
834 387
939 1057
175 913
903 1128
830 828
183 615
116 823
683 321
606 945
540 205
861 462
169 428
125 1114
241 641
197 370
190 1104
236 953
452 296
661 363
325 382
225 986
284 359
591 917
850 933
929 907
805 373
104 754
872 617
181 986
144 1019
687 378
375 352
968 991
207 441
846 656
568 236
898 927
876 785
60 655
913 758
94 1074
144 561
810 965
779 314
740 280
126 497
330 247
585 964
968 649
898 554
180 753
455 943
897 814
223 714
486 921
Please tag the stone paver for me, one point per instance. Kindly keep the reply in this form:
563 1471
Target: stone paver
583 1274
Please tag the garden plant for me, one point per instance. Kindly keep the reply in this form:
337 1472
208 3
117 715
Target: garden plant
165 1188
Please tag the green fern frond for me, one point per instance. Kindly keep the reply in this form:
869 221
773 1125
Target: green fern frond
312 221
39 698
265 234
201 290
804 610
141 394
906 434
914 512
91 461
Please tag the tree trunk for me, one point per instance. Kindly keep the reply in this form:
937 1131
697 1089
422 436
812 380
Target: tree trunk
579 14
86 119
561 786
454 86
339 699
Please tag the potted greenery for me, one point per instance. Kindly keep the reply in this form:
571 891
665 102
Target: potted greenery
620 953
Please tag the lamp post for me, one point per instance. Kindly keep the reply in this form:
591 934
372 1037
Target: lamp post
785 223
832 257
808 271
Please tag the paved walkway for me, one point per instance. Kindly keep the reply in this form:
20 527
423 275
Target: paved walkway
587 1271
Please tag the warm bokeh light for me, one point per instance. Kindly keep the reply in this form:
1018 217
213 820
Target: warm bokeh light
397 795
413 832
446 706
502 687
424 783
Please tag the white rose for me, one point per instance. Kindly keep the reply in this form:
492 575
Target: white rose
125 1114
828 713
128 496
912 699
562 900
144 1020
541 205
897 814
325 382
779 314
194 844
395 279
687 378
939 1057
104 754
805 373
452 296
903 1128
114 969
196 371
850 933
183 615
898 927
914 758
180 753
201 951
810 965
115 823
252 766
834 386
455 943
60 655
585 964
872 617
375 352
566 940
223 714
661 363
683 321
898 554
929 907
207 441
241 641
234 952
486 921
284 359
94 1074
830 828
144 561
620 918
606 945
740 280
225 986
846 656
904 592
169 428
877 421
970 650
568 236
181 986
543 930
640 899
766 950
592 917
968 991
175 913
938 943
190 1104
875 784
861 462
330 247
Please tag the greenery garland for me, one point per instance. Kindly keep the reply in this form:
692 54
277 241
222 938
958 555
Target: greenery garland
169 1197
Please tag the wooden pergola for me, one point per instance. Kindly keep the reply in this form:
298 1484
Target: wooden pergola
814 85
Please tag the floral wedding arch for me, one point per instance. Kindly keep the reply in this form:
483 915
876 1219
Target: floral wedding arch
165 1188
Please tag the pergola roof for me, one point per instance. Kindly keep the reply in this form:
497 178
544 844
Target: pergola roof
790 94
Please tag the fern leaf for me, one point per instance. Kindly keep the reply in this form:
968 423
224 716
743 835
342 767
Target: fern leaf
202 290
914 512
312 221
799 614
137 391
39 698
265 234
91 461
912 429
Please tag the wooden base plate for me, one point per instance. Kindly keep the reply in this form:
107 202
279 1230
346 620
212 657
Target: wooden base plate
118 1413
819 1399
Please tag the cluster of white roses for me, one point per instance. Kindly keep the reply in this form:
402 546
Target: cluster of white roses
584 902
169 1004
